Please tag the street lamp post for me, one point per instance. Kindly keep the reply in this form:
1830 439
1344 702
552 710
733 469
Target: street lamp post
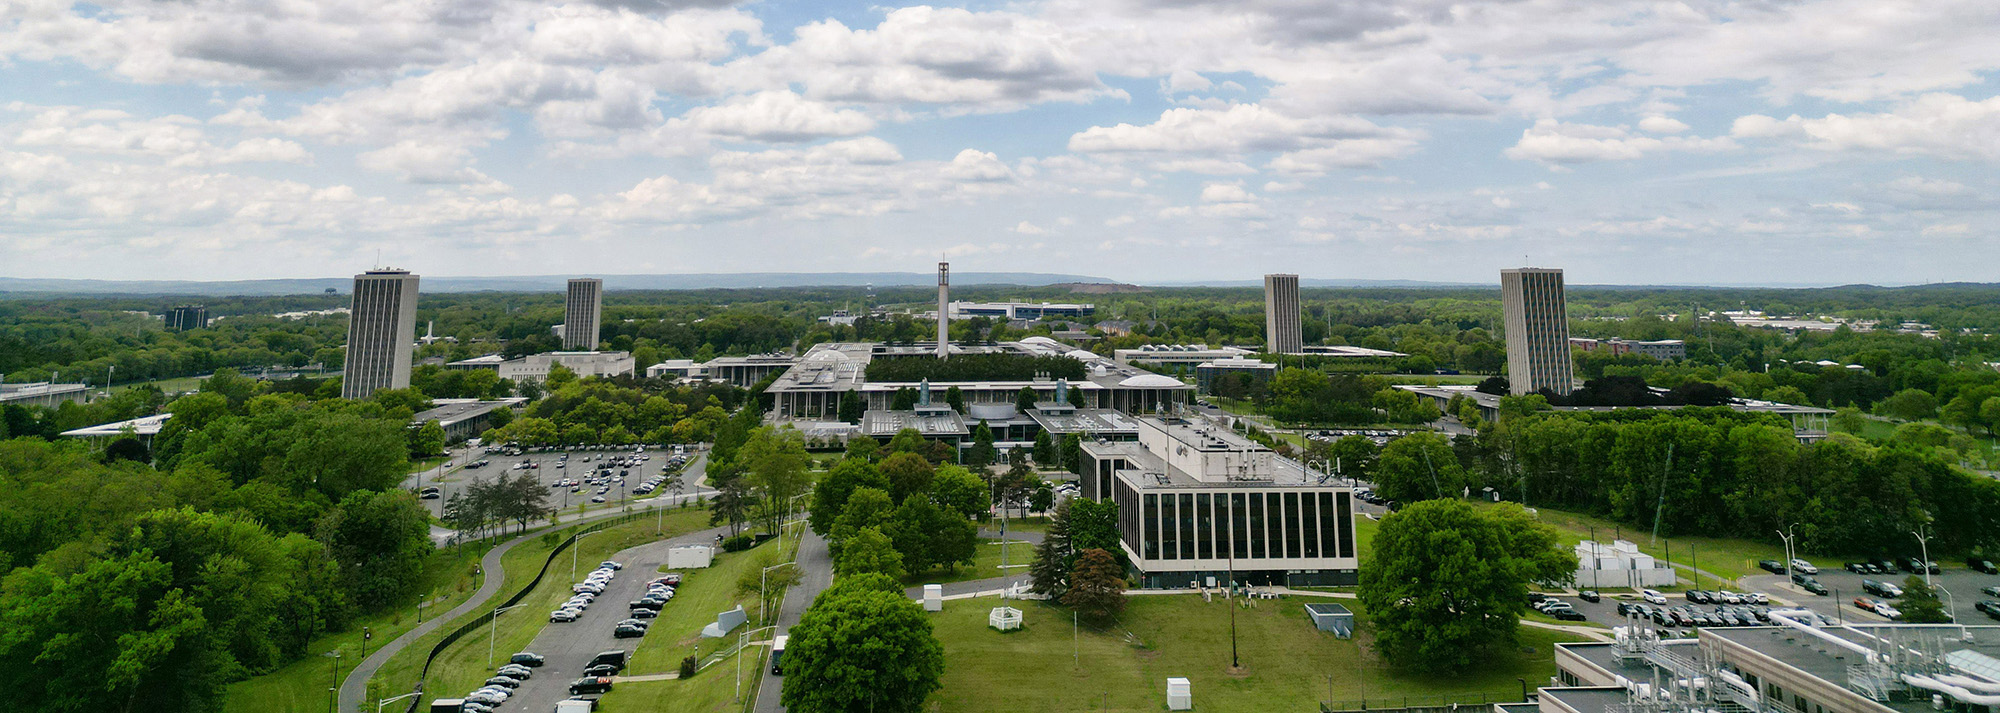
763 600
385 703
493 629
744 642
1786 535
333 690
108 368
1924 540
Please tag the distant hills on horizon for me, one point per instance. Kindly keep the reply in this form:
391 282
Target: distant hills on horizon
752 280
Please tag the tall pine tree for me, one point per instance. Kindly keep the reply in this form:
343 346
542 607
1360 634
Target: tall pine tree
1052 558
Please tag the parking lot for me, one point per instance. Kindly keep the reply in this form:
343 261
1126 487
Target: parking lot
1964 586
568 646
550 467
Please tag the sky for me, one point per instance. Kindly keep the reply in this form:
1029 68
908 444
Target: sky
1633 142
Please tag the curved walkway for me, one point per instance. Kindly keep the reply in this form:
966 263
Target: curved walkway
354 688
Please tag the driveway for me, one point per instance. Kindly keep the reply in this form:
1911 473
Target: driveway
816 574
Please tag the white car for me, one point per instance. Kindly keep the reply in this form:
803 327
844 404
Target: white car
1888 612
562 615
500 691
1799 565
486 696
587 587
1652 597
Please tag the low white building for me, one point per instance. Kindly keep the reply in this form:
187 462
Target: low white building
1619 564
535 367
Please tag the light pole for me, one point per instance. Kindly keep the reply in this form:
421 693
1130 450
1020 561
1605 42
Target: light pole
1786 535
108 368
1924 540
385 703
575 544
745 641
333 691
763 600
493 629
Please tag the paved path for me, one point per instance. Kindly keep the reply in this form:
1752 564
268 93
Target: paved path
354 688
816 574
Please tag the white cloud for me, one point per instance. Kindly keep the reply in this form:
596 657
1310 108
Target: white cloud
975 165
424 162
1209 166
1225 193
1662 125
777 117
1120 221
1027 228
1945 126
1558 143
1241 128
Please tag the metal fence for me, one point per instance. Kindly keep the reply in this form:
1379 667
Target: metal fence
1443 703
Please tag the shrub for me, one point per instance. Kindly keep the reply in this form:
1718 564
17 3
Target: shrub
738 543
688 666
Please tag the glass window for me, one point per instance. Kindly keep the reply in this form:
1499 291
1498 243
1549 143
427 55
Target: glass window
1187 526
1344 532
1309 518
1291 524
1239 525
1151 521
1204 527
1257 525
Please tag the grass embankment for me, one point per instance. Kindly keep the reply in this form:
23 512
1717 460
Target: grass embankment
985 564
301 687
1728 558
1287 664
676 635
463 666
170 386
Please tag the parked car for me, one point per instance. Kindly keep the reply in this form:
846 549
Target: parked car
1989 607
1568 615
603 669
503 682
1653 597
644 613
1881 589
1887 611
1809 584
1864 604
1990 591
1590 595
1799 565
514 670
527 659
615 658
563 615
627 632
1695 595
1772 566
1982 565
599 684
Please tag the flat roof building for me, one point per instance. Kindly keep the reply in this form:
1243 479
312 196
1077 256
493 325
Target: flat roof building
1537 323
1281 315
381 333
813 388
463 418
181 318
1196 501
42 394
1020 310
536 367
583 307
1207 373
1809 423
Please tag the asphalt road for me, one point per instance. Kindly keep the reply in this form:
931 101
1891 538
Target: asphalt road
816 574
568 646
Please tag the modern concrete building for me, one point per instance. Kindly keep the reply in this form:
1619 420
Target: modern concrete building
181 318
582 309
1663 350
1197 502
1800 663
1809 423
1537 325
1181 356
1208 372
1021 310
1281 315
535 367
42 394
381 333
463 418
677 369
813 386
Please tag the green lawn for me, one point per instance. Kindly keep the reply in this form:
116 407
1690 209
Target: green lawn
464 665
985 564
183 383
1727 557
1287 664
1038 524
1364 538
301 687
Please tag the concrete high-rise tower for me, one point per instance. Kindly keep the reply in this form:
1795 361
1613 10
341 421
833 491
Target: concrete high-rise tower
1537 330
380 333
581 312
1281 315
944 311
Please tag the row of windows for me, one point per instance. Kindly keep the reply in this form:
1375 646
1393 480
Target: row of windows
1256 525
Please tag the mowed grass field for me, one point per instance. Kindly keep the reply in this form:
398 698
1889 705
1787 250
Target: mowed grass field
1287 664
1729 558
985 564
449 578
463 666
